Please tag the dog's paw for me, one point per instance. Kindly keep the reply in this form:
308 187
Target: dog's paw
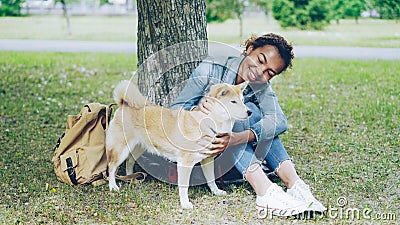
113 187
187 205
219 192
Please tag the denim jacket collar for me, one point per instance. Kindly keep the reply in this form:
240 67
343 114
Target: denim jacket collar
232 66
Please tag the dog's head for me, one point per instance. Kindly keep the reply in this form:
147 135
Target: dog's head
229 101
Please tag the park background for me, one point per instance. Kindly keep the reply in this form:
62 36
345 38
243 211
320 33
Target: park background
342 113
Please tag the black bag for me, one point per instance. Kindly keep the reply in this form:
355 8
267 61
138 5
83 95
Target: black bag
166 171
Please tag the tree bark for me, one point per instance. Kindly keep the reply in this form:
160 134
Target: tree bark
172 40
66 14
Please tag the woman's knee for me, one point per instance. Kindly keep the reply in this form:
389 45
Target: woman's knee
242 156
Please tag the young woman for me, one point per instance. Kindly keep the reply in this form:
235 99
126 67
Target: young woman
257 139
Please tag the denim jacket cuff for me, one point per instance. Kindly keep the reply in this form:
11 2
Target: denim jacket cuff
188 107
256 129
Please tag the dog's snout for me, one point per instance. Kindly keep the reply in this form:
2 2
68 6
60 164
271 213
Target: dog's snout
249 113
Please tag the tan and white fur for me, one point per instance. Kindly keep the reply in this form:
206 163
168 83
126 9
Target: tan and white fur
177 135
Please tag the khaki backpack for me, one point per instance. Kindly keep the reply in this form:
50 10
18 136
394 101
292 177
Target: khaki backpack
80 155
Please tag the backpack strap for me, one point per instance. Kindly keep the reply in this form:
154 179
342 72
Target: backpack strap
109 111
136 178
98 182
71 171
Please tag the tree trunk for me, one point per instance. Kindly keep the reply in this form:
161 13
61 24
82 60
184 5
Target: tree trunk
172 40
66 14
241 26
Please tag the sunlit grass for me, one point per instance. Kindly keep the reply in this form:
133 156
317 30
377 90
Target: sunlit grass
54 27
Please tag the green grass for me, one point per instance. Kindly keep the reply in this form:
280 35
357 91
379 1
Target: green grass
343 136
369 32
87 28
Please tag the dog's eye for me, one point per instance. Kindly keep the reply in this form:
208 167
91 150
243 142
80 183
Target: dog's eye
234 102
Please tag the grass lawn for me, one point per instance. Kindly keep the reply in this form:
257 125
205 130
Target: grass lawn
369 32
88 28
344 137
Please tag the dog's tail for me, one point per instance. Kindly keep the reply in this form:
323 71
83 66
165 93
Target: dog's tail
126 93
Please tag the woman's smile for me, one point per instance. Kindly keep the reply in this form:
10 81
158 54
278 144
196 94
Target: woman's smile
260 65
252 75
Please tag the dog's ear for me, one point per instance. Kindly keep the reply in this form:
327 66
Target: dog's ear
219 90
224 92
243 85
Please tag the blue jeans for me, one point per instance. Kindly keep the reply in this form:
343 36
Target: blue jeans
243 155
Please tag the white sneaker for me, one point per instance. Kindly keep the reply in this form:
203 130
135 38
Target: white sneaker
279 203
301 191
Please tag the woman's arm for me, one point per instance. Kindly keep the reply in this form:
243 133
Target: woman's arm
194 89
274 121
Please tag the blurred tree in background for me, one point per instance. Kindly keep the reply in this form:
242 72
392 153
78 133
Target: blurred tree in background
221 10
218 11
388 9
354 8
283 12
265 5
303 14
338 8
10 7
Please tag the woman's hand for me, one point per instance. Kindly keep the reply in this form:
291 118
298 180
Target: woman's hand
221 141
217 144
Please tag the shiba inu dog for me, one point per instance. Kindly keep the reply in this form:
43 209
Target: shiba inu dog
175 134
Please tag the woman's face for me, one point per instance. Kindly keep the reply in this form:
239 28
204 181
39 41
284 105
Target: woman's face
260 65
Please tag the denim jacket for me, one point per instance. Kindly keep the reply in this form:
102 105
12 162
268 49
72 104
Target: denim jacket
214 70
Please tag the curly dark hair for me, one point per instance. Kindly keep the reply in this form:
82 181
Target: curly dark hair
285 49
